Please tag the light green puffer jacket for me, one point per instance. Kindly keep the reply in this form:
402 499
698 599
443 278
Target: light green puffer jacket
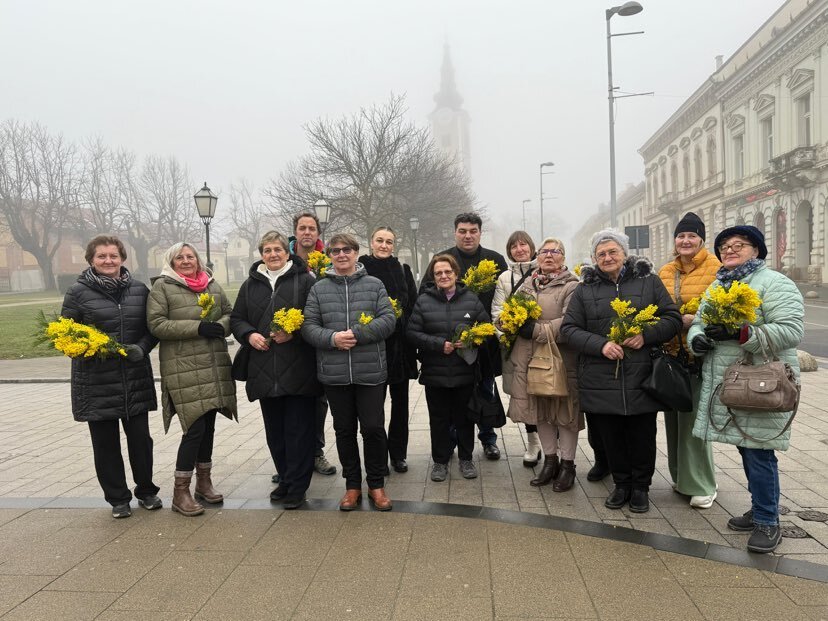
782 314
195 371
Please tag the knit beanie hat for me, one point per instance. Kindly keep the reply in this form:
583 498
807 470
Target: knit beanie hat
690 223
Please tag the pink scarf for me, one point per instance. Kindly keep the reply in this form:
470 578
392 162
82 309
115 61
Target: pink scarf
197 284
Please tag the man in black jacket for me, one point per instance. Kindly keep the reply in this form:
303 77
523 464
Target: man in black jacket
468 227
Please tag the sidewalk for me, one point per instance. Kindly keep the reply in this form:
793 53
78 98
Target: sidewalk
507 532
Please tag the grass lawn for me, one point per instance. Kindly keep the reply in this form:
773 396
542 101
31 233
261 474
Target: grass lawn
18 329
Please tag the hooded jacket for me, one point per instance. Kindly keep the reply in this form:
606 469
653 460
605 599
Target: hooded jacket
195 370
587 324
336 303
112 388
285 368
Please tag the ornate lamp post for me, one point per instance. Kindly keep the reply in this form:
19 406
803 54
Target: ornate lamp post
322 209
542 166
205 202
414 222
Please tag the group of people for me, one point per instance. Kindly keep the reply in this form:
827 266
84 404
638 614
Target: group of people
366 329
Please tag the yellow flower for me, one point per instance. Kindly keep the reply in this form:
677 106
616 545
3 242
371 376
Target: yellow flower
318 263
690 307
75 339
647 316
731 306
577 269
208 307
481 278
396 306
629 321
476 335
288 320
365 319
622 308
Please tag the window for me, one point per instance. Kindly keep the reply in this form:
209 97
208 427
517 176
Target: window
686 171
697 163
711 156
803 120
739 156
766 136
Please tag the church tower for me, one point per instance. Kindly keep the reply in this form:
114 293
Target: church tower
449 122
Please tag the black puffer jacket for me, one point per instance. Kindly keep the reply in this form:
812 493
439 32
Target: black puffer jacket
587 324
399 284
433 322
112 388
287 368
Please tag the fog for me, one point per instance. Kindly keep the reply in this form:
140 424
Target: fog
227 86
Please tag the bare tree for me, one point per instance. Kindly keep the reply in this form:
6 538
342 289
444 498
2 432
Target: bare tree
134 215
167 190
38 189
99 194
247 212
376 167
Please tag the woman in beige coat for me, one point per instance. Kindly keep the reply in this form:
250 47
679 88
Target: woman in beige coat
558 418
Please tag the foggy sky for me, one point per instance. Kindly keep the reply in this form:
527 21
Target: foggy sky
226 86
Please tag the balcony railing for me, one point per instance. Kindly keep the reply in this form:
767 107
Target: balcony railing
797 159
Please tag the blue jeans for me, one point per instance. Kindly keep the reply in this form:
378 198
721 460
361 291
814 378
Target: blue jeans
763 484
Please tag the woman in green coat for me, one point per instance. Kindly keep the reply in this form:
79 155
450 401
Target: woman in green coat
195 367
779 327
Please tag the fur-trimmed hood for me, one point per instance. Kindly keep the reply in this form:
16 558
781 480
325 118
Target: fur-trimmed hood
639 267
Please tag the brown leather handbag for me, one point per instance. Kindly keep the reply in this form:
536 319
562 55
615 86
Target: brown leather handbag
546 376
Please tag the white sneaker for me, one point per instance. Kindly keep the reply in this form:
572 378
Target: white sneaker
533 450
703 502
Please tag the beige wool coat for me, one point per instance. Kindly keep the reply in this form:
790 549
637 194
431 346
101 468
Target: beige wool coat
523 407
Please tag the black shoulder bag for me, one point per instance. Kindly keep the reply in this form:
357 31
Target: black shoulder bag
485 407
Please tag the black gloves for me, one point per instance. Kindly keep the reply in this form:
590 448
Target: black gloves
720 333
701 344
134 353
211 330
527 330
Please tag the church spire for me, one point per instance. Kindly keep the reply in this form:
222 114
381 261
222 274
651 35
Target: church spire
447 96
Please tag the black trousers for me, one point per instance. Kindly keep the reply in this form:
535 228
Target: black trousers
596 443
109 462
630 443
197 444
319 424
353 406
447 408
289 424
398 425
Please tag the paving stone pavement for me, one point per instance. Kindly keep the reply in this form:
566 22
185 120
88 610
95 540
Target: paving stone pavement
47 485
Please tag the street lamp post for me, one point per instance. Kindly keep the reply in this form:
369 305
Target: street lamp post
205 202
323 211
226 262
525 200
414 222
624 10
542 166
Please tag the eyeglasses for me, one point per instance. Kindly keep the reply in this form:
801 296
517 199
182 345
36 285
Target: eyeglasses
446 273
550 251
335 251
735 247
608 253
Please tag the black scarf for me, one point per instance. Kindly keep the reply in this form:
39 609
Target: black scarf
390 272
107 284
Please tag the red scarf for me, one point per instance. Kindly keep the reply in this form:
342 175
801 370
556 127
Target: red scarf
197 284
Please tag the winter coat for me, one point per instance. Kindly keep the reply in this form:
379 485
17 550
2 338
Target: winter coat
601 389
285 368
434 321
523 407
195 370
781 313
466 260
112 388
334 304
691 283
399 283
506 283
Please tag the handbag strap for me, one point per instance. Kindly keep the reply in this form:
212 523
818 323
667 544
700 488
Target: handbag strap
551 345
677 296
732 418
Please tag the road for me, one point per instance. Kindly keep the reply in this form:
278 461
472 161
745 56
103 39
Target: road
816 330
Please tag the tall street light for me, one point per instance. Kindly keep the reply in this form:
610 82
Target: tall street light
205 202
323 211
542 166
226 262
624 10
414 222
525 200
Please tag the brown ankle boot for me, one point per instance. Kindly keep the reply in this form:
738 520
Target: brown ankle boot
548 472
204 489
379 499
566 477
183 502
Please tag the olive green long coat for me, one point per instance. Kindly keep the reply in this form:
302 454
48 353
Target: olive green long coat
195 371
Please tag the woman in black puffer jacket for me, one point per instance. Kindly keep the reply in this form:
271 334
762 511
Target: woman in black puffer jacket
281 371
610 375
401 356
444 305
108 390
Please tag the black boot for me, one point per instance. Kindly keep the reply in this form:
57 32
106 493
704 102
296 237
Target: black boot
550 470
598 472
566 477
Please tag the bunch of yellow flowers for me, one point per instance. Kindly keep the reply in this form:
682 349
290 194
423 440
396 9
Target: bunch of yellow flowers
731 306
318 263
77 340
395 305
691 306
365 319
476 335
288 320
629 321
482 278
209 310
517 309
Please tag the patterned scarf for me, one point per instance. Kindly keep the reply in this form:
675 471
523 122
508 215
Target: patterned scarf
726 276
541 280
107 283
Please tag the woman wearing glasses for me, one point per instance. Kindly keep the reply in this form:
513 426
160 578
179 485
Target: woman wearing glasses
779 328
348 316
610 375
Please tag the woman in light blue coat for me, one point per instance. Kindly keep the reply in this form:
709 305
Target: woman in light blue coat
779 327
